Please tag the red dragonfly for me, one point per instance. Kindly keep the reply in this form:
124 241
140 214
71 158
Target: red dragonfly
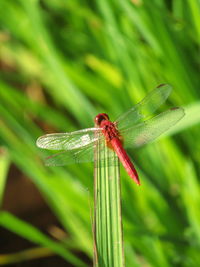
132 129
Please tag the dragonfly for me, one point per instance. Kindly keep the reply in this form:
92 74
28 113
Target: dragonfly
132 129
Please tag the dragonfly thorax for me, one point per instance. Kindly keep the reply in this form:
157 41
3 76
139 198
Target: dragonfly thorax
109 130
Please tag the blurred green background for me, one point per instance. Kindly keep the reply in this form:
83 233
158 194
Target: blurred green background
63 62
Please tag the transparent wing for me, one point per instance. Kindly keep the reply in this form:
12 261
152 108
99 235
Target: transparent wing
71 157
81 155
144 108
149 130
68 141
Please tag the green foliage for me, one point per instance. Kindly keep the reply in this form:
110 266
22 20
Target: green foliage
29 232
62 62
4 166
108 247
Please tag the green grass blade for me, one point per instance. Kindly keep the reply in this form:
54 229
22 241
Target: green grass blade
31 233
4 166
107 221
25 255
190 119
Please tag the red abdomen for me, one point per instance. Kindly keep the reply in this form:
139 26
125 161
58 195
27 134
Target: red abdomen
125 160
112 137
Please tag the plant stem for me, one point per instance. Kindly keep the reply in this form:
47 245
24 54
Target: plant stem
107 212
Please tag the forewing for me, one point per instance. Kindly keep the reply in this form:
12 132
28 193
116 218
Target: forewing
68 141
149 130
81 155
144 108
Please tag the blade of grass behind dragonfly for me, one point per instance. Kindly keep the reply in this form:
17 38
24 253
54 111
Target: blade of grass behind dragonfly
4 167
108 247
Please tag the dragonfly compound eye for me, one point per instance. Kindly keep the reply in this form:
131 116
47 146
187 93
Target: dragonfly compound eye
101 117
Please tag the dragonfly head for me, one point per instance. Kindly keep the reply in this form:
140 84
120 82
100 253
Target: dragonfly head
101 117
